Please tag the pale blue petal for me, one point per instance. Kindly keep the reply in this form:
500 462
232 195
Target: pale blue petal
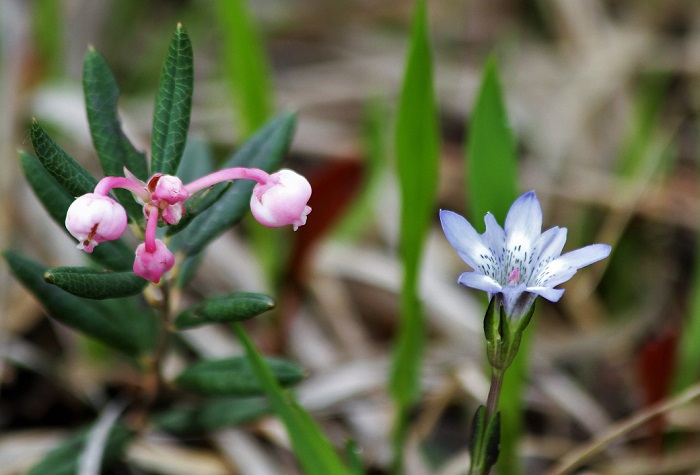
467 242
494 238
478 281
547 247
517 301
564 267
553 295
524 221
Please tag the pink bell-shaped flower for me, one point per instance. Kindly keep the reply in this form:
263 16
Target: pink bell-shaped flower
93 219
281 200
151 265
168 189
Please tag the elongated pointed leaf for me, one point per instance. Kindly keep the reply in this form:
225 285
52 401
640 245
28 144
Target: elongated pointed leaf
417 153
227 309
491 161
265 150
95 284
235 376
212 415
124 331
113 254
114 149
245 63
66 171
63 460
171 118
315 453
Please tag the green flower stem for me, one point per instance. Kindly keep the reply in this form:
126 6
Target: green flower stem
494 391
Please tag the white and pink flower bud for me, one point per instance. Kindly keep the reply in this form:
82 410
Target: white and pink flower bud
93 219
152 265
281 200
173 214
168 189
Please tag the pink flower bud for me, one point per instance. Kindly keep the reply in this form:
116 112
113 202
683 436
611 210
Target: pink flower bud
167 188
281 200
152 265
93 219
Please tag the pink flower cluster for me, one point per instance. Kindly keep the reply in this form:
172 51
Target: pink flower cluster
279 199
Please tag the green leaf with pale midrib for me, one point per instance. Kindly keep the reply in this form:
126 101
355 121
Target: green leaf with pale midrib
235 377
114 149
113 254
95 284
61 166
123 331
212 415
171 118
245 64
315 453
230 308
265 150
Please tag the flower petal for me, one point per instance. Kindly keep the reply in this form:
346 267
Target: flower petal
494 238
467 242
524 221
553 295
479 282
564 267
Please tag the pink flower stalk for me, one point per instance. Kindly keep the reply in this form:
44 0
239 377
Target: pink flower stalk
281 200
152 264
93 219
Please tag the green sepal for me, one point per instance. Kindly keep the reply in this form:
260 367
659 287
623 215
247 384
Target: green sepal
212 415
129 332
503 335
171 117
114 149
115 255
95 284
265 150
226 309
64 459
61 166
235 376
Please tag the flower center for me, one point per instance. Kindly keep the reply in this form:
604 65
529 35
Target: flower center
514 276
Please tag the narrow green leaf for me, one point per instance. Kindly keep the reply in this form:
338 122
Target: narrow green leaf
66 171
212 415
230 308
245 64
265 150
95 284
353 452
119 330
63 460
171 118
114 149
417 153
114 254
235 376
492 187
315 453
491 160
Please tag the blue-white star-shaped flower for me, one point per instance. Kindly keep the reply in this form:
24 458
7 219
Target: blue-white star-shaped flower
520 262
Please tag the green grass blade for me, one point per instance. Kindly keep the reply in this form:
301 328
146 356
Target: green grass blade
491 161
171 118
417 154
245 64
492 186
315 453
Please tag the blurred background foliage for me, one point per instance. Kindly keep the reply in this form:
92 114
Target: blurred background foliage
602 97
